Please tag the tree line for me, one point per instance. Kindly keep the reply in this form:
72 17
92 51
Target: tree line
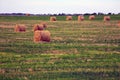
59 14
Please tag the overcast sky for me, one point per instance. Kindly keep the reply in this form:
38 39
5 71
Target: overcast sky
59 6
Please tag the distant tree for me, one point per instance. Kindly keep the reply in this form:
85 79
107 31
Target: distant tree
61 14
109 14
94 14
118 13
100 13
86 14
54 15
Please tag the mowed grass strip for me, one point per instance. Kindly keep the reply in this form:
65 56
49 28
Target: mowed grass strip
103 64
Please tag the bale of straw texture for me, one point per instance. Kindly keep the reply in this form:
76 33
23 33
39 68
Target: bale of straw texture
118 24
27 14
38 27
41 36
53 18
68 18
92 17
44 24
106 18
20 28
37 36
45 36
80 18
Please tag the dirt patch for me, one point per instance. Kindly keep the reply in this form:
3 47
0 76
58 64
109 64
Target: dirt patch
97 44
58 38
85 39
22 38
6 26
52 26
2 40
2 71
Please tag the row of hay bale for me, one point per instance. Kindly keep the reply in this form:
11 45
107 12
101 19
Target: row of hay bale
40 34
80 18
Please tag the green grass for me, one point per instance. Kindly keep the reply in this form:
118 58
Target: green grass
46 18
88 50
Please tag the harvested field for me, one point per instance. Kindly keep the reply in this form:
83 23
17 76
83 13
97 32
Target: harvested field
87 50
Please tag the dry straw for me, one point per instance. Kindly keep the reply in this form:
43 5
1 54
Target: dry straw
106 18
20 28
40 36
118 24
53 18
91 17
44 24
68 18
80 18
27 14
38 27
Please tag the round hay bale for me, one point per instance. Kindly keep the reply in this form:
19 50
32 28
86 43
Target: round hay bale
27 14
38 27
20 28
118 24
45 36
37 36
92 17
53 18
106 18
68 18
80 18
2 71
41 36
44 24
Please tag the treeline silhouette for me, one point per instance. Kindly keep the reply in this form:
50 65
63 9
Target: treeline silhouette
59 14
